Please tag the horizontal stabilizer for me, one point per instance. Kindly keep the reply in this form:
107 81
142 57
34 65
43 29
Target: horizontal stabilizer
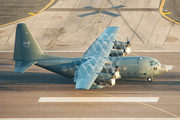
22 66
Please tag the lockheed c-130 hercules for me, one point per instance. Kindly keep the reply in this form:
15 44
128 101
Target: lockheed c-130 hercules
100 65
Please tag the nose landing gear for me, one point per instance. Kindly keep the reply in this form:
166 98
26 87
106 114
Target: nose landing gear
149 79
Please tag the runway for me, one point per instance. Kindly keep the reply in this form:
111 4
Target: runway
19 93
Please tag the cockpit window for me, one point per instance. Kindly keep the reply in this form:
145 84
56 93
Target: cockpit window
154 63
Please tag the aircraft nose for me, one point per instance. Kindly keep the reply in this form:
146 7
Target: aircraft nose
163 70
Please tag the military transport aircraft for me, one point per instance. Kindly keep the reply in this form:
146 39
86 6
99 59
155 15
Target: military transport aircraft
100 65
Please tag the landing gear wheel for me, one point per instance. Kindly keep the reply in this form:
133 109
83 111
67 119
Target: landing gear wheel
149 79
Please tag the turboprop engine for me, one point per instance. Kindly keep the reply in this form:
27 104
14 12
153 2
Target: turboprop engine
115 75
110 76
121 48
116 53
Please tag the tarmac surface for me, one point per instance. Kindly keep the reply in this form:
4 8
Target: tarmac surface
19 93
12 10
172 6
73 25
68 25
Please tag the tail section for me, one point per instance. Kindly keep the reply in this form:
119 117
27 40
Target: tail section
26 50
22 66
26 47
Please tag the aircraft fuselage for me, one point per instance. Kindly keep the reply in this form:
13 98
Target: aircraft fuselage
130 67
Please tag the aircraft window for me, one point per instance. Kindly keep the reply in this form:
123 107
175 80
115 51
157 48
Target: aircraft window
155 68
153 63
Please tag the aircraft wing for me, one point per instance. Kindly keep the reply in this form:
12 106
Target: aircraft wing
87 72
103 45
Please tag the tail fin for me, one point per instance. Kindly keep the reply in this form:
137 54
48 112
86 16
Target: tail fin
26 50
26 47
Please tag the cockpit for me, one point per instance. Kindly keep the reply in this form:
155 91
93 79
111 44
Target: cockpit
154 63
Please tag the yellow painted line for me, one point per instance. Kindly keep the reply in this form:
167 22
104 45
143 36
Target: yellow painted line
164 15
99 15
29 13
80 29
159 109
46 6
167 13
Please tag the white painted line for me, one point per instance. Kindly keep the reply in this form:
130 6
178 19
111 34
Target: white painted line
131 51
89 118
98 99
169 67
155 51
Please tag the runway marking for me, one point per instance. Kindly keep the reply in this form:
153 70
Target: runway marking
161 12
155 50
31 13
154 108
169 67
166 13
89 119
159 109
29 16
77 31
98 99
101 94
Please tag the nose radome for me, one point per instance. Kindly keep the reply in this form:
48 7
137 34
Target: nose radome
163 69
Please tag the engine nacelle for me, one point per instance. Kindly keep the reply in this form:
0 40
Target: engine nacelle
117 74
118 45
128 50
116 53
113 81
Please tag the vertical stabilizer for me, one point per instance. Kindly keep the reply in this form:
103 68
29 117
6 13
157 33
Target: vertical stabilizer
26 47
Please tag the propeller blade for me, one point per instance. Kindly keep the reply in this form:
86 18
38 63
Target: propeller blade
113 71
124 48
128 41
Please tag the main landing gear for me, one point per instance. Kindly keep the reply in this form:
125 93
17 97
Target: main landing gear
149 79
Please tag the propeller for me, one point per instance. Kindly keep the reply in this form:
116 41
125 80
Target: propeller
128 42
115 74
115 71
124 47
